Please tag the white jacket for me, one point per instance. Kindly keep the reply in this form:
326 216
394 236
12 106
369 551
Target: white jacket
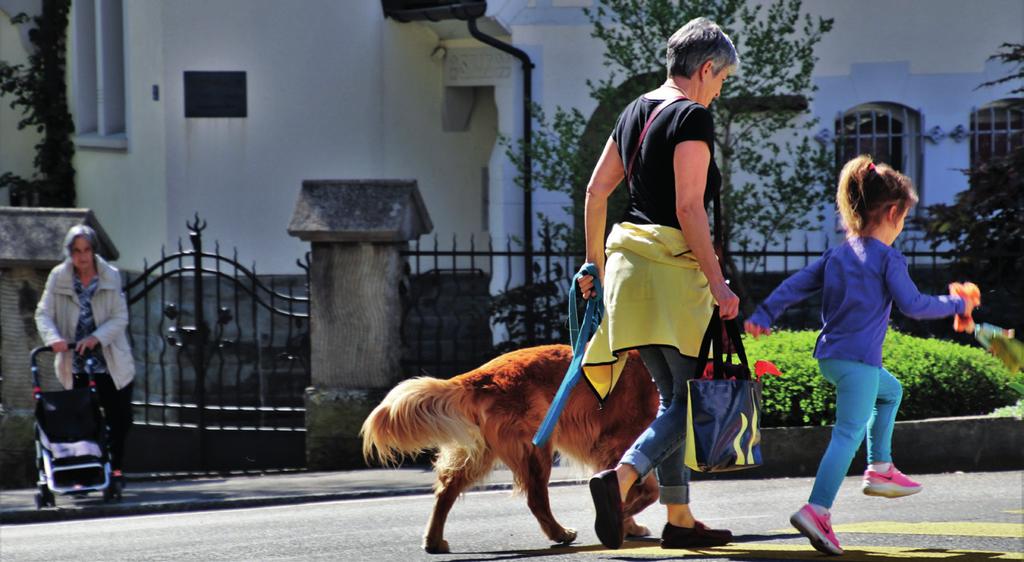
57 318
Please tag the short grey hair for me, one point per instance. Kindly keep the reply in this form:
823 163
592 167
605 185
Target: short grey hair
697 42
79 231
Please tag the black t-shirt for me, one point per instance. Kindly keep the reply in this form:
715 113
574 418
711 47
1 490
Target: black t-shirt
652 191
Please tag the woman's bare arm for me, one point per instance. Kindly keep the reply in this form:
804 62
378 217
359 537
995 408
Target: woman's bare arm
690 161
606 177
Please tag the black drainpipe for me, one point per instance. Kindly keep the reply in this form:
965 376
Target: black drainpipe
527 159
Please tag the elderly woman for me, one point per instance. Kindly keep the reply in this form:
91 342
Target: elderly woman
83 303
662 277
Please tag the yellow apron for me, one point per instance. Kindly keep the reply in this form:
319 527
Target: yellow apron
654 294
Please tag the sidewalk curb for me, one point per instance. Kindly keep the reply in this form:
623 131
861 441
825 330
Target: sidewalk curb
49 515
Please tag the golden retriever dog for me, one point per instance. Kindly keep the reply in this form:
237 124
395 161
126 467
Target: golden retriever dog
491 413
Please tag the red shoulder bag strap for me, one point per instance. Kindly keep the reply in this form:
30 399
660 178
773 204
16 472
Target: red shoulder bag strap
643 132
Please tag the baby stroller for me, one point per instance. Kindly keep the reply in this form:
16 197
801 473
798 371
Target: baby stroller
72 453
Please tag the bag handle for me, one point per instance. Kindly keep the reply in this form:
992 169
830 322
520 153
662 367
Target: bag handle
732 327
643 133
713 342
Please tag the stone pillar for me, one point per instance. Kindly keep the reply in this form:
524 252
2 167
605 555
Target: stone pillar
357 229
30 245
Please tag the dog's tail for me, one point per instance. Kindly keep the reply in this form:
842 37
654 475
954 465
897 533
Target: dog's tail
420 414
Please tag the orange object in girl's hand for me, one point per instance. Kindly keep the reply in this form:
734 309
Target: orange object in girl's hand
971 295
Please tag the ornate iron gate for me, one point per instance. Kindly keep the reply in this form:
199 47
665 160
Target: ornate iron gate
222 362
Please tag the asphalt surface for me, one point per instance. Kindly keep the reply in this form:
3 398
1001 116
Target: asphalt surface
959 517
149 493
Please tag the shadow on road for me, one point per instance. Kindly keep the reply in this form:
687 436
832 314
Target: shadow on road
648 549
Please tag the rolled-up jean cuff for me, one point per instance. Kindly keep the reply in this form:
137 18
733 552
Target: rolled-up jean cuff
674 495
639 461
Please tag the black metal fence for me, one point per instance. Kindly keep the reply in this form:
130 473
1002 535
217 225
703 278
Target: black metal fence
463 304
223 360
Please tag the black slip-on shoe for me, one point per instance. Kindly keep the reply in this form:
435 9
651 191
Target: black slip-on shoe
699 536
604 489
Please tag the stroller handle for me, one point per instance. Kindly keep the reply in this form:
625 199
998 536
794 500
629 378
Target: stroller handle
36 389
37 351
35 368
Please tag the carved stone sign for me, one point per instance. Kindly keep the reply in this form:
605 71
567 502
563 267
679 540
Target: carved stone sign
476 67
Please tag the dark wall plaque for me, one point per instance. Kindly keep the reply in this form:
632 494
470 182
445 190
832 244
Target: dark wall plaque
215 94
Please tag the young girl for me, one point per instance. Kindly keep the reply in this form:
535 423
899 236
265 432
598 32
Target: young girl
859 281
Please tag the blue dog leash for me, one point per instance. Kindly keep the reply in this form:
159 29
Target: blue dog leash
578 337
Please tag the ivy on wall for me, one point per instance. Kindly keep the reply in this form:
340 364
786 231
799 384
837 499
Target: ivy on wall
40 91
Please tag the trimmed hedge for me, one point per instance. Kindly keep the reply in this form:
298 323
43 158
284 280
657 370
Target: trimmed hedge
940 379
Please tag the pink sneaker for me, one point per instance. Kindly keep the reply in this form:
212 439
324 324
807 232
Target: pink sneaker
893 484
817 528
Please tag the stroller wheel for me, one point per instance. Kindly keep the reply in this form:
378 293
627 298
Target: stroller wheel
44 497
113 491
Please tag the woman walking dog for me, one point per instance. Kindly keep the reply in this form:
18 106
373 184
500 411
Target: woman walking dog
662 278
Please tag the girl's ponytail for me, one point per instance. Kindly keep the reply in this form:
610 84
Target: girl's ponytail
865 189
851 198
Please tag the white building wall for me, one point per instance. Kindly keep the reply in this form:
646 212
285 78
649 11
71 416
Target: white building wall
127 188
334 91
312 113
337 91
928 57
448 165
16 146
931 60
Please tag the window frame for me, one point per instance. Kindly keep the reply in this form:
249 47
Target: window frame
99 90
1007 106
911 140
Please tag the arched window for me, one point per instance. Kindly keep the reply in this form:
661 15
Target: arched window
889 132
997 129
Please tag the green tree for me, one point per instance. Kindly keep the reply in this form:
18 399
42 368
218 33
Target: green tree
773 176
985 222
40 90
1013 54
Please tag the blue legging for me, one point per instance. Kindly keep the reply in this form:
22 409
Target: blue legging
867 399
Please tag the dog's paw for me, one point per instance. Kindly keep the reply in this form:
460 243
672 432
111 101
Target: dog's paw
440 548
634 529
567 536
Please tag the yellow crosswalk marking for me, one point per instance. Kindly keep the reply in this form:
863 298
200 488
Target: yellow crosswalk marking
806 552
945 528
942 528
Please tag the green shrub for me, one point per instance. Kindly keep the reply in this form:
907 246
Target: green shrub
1011 411
939 378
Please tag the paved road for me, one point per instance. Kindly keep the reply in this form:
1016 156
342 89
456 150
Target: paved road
959 517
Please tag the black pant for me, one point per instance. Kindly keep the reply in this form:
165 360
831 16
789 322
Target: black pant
117 409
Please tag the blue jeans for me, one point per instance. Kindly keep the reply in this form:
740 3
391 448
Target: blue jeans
659 447
867 399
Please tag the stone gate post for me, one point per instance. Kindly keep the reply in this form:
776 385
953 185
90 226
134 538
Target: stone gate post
357 229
